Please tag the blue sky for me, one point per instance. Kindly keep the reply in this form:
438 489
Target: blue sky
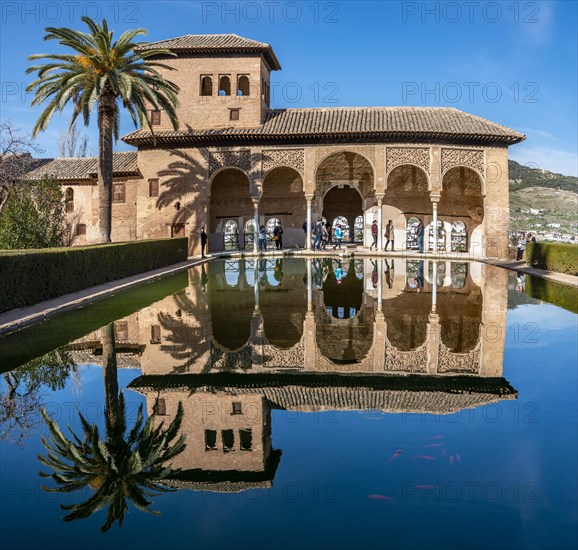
511 62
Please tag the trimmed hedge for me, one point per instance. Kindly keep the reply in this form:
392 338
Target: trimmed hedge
554 293
32 276
562 258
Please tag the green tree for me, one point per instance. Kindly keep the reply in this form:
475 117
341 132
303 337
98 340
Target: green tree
127 465
35 217
109 74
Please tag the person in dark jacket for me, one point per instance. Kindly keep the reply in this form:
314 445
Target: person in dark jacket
203 241
419 233
278 232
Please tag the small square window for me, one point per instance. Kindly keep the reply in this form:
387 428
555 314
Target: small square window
234 114
228 439
246 439
155 334
237 408
210 440
121 330
155 118
118 192
153 187
81 229
161 407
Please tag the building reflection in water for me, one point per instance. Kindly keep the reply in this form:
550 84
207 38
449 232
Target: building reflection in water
247 337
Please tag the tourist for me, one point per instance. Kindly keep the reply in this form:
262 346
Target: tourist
325 237
318 229
374 233
521 246
338 236
389 235
329 232
419 279
278 236
374 275
389 273
419 233
203 241
530 238
339 269
262 238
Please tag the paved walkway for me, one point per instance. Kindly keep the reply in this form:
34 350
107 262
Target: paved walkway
17 319
522 267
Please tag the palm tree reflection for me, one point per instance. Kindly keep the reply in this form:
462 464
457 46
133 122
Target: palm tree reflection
128 465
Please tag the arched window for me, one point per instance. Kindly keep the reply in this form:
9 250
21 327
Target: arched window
411 233
440 235
243 86
459 237
232 270
224 86
231 235
344 224
249 234
459 275
206 85
358 229
69 199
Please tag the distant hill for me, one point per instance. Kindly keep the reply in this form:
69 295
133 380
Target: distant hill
522 177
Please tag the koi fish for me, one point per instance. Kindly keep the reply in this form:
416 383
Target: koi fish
436 437
381 497
432 445
458 459
395 455
451 460
424 457
444 453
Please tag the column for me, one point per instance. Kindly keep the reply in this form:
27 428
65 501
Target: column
309 287
256 288
434 292
379 223
435 226
256 225
379 284
309 199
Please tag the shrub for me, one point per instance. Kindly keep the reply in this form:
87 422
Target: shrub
32 276
562 258
565 296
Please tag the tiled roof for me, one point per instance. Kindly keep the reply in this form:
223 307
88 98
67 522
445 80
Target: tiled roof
124 163
374 123
215 44
417 393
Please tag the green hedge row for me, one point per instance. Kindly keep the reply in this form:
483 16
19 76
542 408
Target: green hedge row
555 293
562 258
31 276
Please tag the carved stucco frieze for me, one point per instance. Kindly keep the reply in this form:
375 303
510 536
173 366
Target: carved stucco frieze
293 358
405 361
470 158
241 359
230 159
295 158
459 362
396 156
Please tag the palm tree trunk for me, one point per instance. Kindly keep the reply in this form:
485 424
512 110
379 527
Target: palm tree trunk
109 373
106 105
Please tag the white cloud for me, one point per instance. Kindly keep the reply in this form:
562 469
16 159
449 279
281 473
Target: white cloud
547 158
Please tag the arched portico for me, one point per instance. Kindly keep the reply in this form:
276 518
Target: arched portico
283 199
344 187
230 201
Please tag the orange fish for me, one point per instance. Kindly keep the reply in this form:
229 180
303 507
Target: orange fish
395 455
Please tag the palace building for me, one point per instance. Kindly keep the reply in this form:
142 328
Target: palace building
236 163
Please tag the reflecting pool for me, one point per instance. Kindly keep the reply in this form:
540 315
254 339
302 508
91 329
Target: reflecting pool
297 403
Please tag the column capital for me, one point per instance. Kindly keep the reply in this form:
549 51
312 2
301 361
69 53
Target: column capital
379 196
309 196
435 197
255 201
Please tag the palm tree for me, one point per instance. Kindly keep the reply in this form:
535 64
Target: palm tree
125 466
107 73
